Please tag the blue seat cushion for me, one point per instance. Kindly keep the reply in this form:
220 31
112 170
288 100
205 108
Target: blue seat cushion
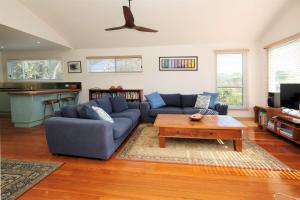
190 110
188 100
155 100
119 104
105 104
165 110
69 111
87 112
133 114
213 99
121 126
171 99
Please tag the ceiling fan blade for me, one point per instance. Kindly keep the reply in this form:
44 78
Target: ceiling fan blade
115 28
144 29
128 16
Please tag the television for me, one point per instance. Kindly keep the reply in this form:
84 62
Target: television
290 96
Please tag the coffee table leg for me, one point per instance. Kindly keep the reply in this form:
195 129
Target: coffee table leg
237 145
162 142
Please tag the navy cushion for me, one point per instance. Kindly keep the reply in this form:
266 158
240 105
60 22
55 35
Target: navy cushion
121 126
87 112
69 111
133 114
155 100
171 99
105 104
165 110
119 104
188 100
213 99
190 110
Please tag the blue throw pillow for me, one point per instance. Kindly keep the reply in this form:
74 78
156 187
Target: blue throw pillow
155 100
105 104
87 112
69 111
213 99
119 104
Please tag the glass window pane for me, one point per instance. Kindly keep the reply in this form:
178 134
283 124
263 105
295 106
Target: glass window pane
231 96
129 65
35 69
230 70
101 65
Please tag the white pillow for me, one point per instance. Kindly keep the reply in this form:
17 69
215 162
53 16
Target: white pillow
102 114
202 101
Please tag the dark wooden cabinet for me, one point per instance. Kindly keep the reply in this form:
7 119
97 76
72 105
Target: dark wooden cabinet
131 95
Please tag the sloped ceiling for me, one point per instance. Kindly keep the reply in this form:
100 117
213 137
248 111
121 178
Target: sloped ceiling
82 22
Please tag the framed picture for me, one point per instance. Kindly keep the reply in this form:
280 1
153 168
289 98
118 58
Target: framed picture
182 63
74 67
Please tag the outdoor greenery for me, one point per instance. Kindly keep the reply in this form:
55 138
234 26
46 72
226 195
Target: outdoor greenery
231 96
35 69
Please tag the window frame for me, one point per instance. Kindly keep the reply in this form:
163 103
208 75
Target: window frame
244 53
115 66
34 80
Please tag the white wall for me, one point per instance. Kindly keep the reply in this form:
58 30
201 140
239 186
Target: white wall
13 14
286 24
154 80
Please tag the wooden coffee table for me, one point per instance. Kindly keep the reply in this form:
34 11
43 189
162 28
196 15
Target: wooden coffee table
210 127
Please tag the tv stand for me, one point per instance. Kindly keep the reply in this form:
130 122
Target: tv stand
274 120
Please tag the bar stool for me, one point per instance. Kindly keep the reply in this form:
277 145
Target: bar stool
51 102
67 100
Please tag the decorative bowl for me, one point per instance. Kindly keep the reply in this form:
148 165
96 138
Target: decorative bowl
196 117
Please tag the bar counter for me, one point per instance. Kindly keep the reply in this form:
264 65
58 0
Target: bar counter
27 106
46 91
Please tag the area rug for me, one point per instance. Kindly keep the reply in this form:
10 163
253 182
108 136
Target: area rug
143 145
18 176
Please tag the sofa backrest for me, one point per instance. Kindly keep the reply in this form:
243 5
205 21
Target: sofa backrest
188 100
171 99
105 104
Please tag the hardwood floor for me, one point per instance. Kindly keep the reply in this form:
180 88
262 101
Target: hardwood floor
90 179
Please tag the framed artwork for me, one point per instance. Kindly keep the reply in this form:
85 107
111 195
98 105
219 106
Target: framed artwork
183 63
74 67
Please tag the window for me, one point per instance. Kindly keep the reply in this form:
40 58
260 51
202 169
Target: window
114 64
230 78
34 70
284 64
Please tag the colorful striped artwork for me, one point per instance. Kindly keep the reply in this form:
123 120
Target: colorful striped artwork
185 63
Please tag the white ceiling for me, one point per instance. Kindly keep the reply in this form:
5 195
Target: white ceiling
82 22
12 39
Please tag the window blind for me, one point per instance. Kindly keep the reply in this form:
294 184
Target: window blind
284 64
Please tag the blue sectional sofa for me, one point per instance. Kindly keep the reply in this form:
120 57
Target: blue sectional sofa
179 104
68 134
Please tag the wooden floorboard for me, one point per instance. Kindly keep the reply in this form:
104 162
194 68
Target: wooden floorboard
81 178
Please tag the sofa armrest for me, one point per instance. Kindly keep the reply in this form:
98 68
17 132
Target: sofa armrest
133 105
145 108
221 108
80 137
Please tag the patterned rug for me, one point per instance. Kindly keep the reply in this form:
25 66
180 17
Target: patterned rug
18 176
143 145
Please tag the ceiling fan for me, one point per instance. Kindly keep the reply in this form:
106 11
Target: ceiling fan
129 22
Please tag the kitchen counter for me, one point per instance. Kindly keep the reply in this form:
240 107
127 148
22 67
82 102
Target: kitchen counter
27 106
45 91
